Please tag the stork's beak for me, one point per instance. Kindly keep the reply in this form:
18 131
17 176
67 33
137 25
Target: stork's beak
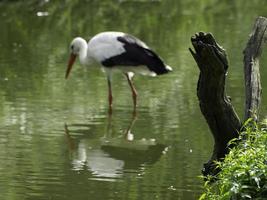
71 61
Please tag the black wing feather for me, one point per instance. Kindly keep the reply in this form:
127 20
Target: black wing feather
136 53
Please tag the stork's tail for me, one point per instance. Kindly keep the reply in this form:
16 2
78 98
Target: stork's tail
168 68
155 63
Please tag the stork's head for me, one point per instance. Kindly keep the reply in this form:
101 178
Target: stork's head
75 48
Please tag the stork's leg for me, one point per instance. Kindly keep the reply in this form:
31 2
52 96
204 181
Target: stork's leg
110 98
134 92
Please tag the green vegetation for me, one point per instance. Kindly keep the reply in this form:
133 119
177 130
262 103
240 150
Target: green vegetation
244 170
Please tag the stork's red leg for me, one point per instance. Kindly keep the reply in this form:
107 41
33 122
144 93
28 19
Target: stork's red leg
134 92
110 98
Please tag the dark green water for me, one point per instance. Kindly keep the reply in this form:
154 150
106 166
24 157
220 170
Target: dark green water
56 139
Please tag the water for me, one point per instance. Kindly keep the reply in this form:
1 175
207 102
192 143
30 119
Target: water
56 138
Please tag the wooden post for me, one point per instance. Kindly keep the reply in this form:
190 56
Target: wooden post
252 54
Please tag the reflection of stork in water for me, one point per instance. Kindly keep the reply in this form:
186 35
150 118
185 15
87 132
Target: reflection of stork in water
128 132
110 155
135 152
70 141
128 135
102 166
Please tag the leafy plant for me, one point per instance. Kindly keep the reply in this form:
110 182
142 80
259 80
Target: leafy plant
244 170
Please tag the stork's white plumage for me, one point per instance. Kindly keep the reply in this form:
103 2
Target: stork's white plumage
117 50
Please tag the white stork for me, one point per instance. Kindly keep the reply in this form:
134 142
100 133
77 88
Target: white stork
117 50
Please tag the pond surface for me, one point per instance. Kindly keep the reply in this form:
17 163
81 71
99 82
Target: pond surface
57 140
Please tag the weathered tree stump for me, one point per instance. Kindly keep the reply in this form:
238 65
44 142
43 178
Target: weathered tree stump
215 105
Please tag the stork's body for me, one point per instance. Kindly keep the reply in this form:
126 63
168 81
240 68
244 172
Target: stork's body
117 50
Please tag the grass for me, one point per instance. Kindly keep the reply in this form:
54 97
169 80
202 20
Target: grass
244 170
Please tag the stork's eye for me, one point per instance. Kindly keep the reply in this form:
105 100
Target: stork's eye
72 47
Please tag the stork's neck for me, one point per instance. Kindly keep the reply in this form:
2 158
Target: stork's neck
85 58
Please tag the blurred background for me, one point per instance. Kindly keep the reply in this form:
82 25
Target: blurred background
56 138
